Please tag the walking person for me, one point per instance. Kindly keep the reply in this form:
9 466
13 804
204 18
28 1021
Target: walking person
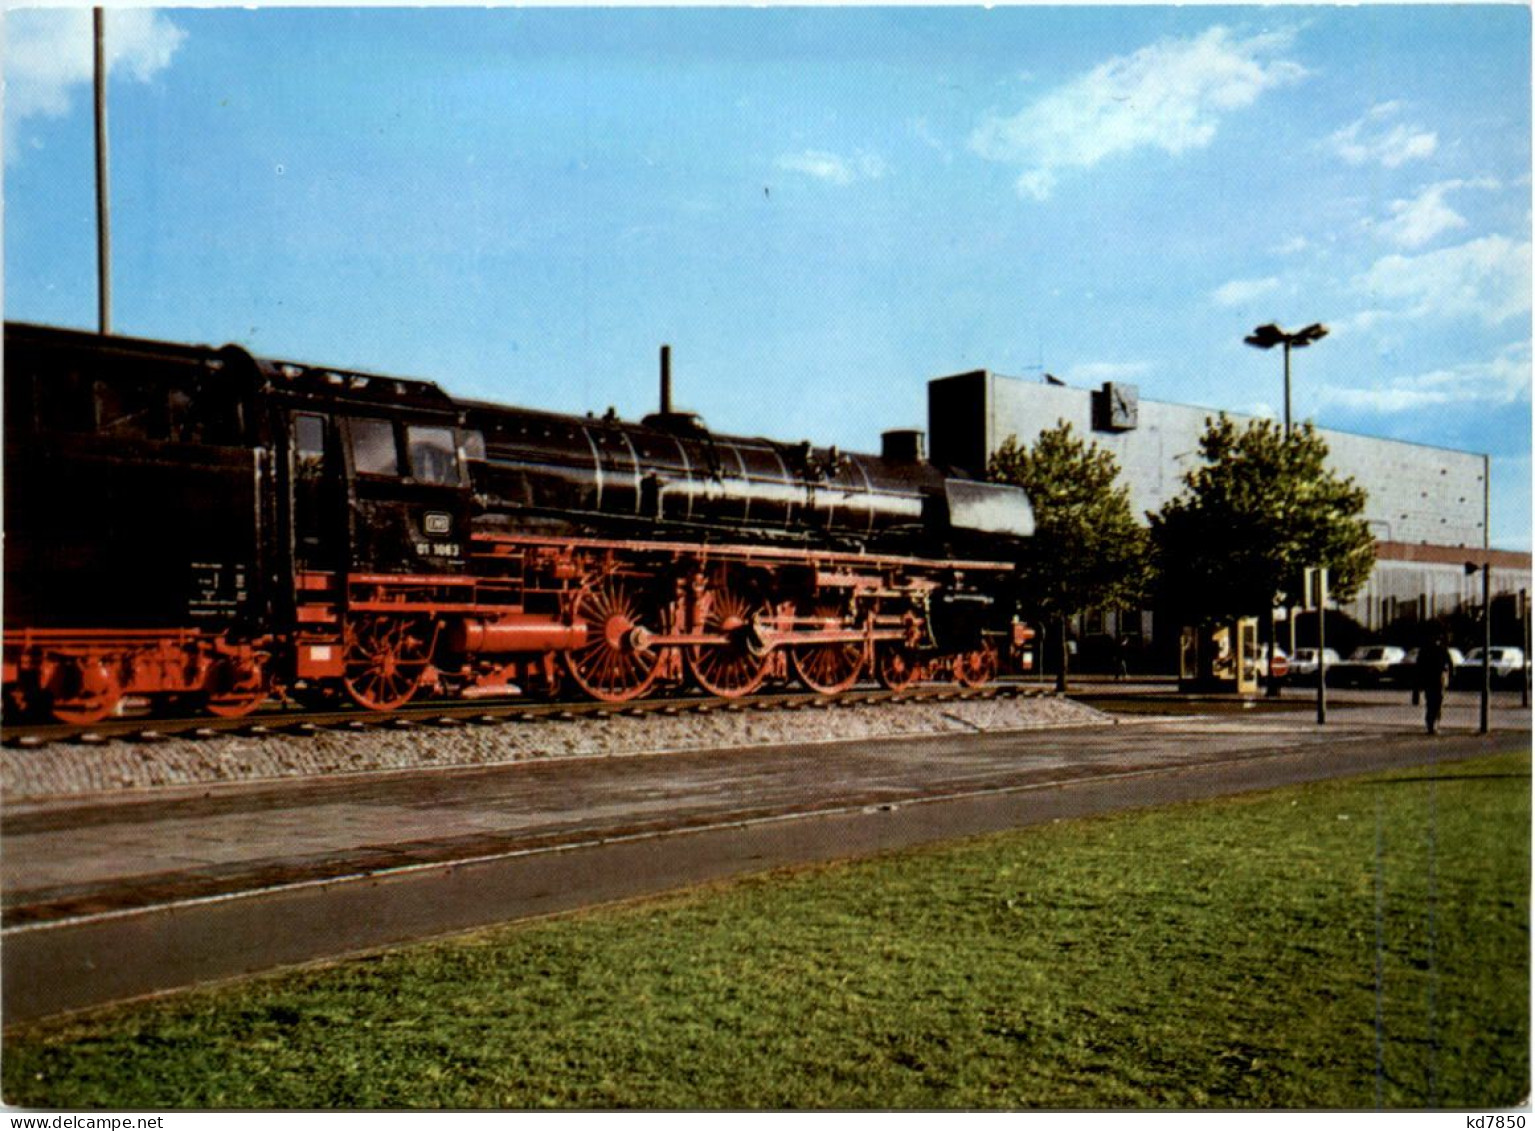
1433 674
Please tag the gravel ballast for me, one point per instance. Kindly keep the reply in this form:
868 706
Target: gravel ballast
69 769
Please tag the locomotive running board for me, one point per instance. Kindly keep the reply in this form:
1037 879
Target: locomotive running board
715 551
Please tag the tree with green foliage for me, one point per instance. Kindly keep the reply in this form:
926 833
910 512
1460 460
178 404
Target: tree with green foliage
1260 510
1087 552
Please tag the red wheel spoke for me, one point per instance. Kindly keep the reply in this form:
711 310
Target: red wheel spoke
730 668
976 668
386 658
895 667
611 666
827 668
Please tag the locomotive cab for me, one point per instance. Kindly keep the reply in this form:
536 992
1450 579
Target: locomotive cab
408 488
377 481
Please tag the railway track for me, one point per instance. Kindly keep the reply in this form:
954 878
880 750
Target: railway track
289 719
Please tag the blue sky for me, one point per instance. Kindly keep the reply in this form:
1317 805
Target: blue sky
819 208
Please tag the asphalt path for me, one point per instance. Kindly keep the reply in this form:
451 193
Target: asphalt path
111 899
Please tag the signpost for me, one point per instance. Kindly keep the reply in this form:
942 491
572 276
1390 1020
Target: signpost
1316 598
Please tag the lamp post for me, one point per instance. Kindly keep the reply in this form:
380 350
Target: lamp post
1268 336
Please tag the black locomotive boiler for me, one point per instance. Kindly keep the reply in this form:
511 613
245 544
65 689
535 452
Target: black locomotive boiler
201 526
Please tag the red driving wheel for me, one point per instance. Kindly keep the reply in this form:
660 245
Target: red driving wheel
734 667
617 662
828 668
385 658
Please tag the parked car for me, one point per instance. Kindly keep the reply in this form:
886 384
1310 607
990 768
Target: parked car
1509 665
1304 663
1405 674
1367 666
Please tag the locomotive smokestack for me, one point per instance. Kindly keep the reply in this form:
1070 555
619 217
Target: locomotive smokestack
669 419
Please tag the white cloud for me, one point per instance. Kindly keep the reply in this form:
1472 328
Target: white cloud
1169 96
49 53
1240 292
1424 218
1372 139
1487 278
832 168
1503 380
1416 222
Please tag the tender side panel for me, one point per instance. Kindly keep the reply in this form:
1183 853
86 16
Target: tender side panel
130 498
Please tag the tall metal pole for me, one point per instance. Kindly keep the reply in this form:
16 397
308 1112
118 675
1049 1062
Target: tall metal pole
1287 389
1321 646
1273 684
1486 591
103 217
1524 639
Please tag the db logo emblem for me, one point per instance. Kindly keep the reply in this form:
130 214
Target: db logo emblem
439 523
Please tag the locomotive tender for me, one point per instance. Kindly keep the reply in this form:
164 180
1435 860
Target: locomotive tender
200 526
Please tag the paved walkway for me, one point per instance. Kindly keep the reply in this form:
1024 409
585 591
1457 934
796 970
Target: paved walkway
107 900
88 855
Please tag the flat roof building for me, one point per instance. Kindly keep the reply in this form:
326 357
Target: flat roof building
1425 505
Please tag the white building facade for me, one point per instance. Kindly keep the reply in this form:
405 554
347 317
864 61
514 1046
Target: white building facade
1426 504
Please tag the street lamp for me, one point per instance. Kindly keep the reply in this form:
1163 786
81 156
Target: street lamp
1269 336
1266 337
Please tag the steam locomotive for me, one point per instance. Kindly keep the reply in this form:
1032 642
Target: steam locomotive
203 528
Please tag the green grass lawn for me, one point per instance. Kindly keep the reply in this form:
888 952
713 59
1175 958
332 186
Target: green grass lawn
1340 945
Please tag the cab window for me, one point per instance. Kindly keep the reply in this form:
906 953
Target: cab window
309 439
433 454
373 450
